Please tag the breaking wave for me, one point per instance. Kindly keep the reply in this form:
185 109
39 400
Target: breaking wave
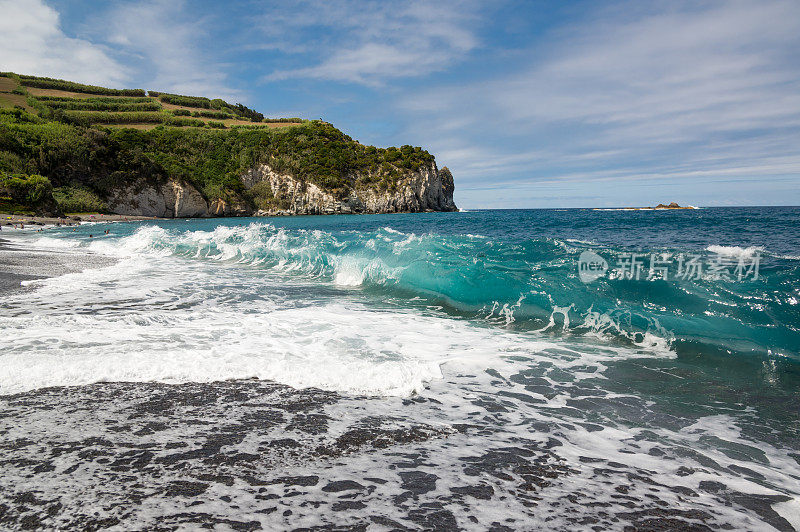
531 285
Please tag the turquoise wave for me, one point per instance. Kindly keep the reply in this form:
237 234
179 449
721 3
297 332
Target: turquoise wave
528 284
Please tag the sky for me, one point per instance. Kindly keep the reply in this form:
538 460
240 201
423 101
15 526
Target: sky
530 104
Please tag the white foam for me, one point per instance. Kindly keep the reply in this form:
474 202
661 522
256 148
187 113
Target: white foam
735 251
789 510
47 242
173 324
158 315
351 349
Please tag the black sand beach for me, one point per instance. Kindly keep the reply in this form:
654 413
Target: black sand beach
18 264
484 449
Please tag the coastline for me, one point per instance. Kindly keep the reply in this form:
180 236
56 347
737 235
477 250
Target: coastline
7 219
212 385
11 220
19 264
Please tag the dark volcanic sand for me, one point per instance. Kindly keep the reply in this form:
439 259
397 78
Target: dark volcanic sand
482 451
18 264
252 455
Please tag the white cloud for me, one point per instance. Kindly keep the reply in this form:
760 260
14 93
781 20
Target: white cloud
32 42
167 46
663 89
372 42
155 42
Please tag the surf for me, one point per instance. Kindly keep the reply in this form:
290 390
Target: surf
527 285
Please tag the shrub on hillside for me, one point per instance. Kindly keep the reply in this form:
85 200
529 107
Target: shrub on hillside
78 199
237 109
19 115
181 112
185 101
11 162
215 125
212 159
32 192
250 114
263 198
250 126
185 122
219 115
121 107
71 86
102 117
97 99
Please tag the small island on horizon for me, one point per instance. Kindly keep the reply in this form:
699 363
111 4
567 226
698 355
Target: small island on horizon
659 207
672 205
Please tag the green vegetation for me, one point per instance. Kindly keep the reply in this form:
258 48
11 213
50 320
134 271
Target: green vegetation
263 198
223 108
71 86
97 99
101 117
184 122
118 106
68 143
250 126
246 112
185 101
219 115
22 193
73 199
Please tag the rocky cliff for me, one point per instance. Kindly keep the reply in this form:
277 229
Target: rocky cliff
168 199
425 190
95 160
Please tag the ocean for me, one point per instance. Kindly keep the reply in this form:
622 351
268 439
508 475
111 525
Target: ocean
561 369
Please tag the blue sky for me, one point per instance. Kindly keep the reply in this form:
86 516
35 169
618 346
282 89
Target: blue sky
531 104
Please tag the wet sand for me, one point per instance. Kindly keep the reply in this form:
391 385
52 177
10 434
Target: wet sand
19 263
17 219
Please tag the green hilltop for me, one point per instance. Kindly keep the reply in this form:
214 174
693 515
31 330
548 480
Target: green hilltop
65 147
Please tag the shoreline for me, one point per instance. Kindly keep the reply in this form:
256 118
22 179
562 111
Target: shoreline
19 264
162 393
7 219
12 220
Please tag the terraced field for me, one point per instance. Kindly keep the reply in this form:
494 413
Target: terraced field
7 97
7 84
125 108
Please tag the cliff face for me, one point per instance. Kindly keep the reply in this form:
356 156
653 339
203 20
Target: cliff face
428 189
171 199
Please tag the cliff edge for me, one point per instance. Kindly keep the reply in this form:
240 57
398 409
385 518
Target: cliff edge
427 189
144 153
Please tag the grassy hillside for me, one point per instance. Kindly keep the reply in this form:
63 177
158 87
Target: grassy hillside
86 141
81 104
